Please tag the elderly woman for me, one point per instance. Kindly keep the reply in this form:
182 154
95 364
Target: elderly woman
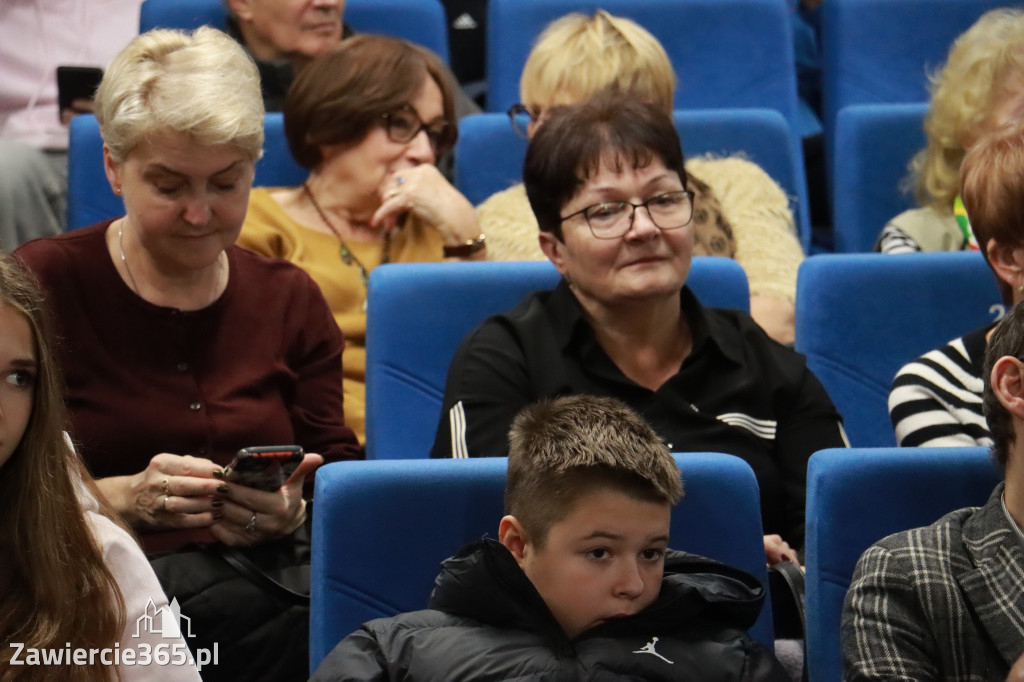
739 211
936 400
178 347
607 183
980 88
369 120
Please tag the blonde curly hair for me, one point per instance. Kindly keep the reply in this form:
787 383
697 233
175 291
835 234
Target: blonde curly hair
984 63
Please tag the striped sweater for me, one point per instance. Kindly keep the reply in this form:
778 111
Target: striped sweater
935 400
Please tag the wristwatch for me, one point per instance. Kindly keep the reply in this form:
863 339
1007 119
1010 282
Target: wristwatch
467 248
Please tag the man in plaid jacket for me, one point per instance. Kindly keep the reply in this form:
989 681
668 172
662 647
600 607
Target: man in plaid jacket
946 602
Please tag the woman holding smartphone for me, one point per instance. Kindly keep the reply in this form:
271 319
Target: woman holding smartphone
61 544
180 348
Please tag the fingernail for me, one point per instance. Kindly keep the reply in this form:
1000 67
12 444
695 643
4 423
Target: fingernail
217 504
223 488
218 473
217 516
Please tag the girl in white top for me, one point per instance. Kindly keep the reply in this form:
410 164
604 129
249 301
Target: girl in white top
78 600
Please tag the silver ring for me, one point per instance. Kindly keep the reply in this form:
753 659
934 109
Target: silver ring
251 526
163 504
399 180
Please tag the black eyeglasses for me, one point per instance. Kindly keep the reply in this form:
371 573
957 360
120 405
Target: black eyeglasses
405 124
613 219
521 116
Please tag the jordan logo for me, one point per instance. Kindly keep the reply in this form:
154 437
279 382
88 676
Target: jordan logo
649 649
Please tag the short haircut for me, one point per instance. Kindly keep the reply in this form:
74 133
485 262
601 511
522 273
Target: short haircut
343 93
1007 340
578 56
564 448
980 64
613 128
200 84
992 179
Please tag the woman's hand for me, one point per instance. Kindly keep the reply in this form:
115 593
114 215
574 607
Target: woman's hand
250 516
776 549
426 194
173 491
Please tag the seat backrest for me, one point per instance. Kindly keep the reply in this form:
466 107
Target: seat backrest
874 145
860 317
489 155
381 530
182 14
90 198
856 497
418 21
877 51
418 314
727 53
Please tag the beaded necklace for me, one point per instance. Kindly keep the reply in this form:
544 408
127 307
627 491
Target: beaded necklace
347 257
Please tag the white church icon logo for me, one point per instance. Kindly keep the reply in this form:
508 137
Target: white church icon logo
166 621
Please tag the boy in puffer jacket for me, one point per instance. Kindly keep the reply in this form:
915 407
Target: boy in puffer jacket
580 584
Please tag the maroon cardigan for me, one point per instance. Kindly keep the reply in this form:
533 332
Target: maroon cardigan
259 366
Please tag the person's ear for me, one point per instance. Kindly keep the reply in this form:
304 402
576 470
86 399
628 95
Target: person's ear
1007 383
1007 262
513 535
113 170
554 249
241 9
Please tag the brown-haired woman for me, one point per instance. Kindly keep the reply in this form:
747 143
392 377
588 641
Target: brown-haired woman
369 120
72 577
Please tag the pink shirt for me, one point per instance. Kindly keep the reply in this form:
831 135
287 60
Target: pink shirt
37 36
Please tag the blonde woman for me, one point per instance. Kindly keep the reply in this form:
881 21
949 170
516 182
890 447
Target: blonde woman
71 577
739 212
179 347
980 88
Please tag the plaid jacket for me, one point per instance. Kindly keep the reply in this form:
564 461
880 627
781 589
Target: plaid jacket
945 602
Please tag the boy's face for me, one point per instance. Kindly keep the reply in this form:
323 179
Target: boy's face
604 560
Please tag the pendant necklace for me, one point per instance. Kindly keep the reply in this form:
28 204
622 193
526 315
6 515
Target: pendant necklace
347 257
135 287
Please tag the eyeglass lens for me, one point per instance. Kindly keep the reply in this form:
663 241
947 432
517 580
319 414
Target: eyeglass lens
405 124
613 219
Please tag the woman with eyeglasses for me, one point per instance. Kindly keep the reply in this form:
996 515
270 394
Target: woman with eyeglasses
369 120
607 183
739 211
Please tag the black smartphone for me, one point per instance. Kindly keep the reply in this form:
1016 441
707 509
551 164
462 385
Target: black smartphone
264 468
76 82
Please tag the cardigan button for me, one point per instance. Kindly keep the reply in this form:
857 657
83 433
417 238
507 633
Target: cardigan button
196 406
182 367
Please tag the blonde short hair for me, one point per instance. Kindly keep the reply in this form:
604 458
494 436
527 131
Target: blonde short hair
980 64
201 84
578 56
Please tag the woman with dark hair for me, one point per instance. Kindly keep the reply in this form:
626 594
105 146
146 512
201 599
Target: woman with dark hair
72 576
369 120
607 183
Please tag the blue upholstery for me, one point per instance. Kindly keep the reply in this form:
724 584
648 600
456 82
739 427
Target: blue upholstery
727 53
381 530
489 155
860 317
419 21
856 497
182 14
91 200
419 314
878 51
874 145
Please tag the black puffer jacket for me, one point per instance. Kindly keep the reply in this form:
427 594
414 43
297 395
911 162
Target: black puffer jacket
487 622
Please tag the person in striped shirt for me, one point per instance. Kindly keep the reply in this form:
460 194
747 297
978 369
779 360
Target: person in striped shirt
936 399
